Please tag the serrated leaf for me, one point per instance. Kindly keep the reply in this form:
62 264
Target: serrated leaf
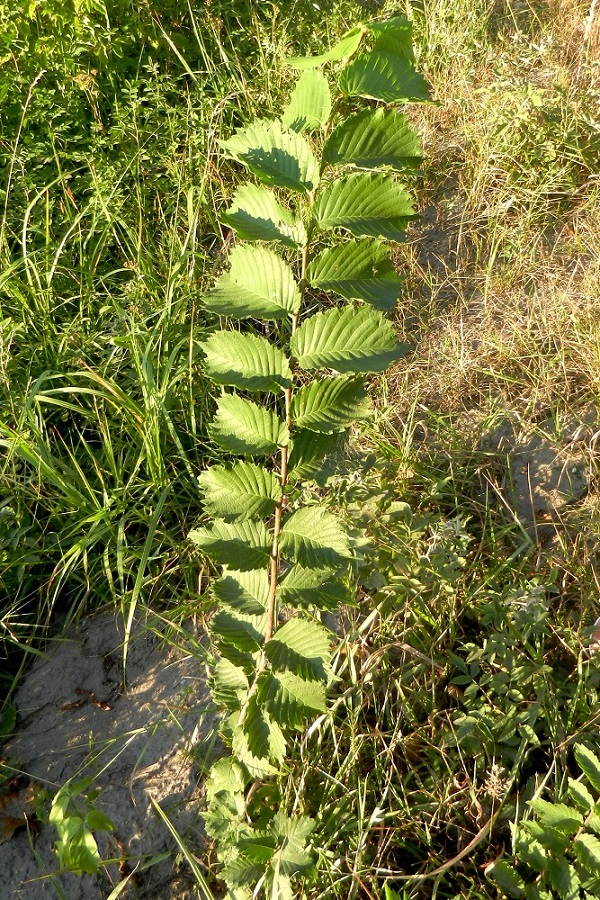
256 215
310 452
246 361
564 879
587 848
301 647
259 284
330 405
531 852
554 840
241 426
247 545
383 76
290 700
347 340
557 815
292 856
264 736
374 138
310 104
344 49
246 633
315 538
365 205
242 871
277 157
589 764
394 36
507 878
580 795
238 492
313 587
229 684
258 767
247 592
357 270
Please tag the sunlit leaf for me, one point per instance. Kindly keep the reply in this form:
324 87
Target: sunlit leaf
256 215
244 591
374 138
290 700
241 426
314 537
357 270
246 361
383 76
330 405
302 647
278 157
246 545
310 104
344 49
366 205
259 284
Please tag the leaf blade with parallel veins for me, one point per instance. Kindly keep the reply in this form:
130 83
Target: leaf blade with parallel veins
241 426
247 592
290 700
366 206
259 284
331 405
238 492
246 545
394 36
256 215
277 157
246 361
346 340
314 538
374 138
357 270
311 452
310 104
384 76
313 587
302 647
343 49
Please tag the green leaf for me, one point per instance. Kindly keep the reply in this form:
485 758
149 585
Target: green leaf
344 49
554 840
310 104
229 685
8 719
315 538
394 36
257 216
290 700
587 848
531 852
241 426
238 492
292 856
277 157
357 270
259 284
589 764
330 405
247 592
563 878
247 545
310 453
365 205
97 821
264 736
580 795
347 340
374 138
225 797
507 878
313 587
557 815
246 361
301 647
246 633
384 76
242 871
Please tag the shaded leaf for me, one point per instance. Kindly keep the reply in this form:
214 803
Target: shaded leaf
302 647
313 587
507 878
564 879
365 205
347 340
276 156
292 835
394 36
259 284
245 591
330 405
315 538
246 361
587 848
256 215
247 545
344 49
357 270
246 633
383 76
241 426
310 104
374 138
310 452
238 492
229 685
290 700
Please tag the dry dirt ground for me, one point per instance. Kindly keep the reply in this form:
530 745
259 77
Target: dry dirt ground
76 719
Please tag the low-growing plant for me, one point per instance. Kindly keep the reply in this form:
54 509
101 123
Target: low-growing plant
287 558
75 818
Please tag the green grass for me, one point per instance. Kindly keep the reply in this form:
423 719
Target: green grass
464 674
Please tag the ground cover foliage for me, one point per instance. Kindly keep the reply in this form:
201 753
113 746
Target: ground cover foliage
465 683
